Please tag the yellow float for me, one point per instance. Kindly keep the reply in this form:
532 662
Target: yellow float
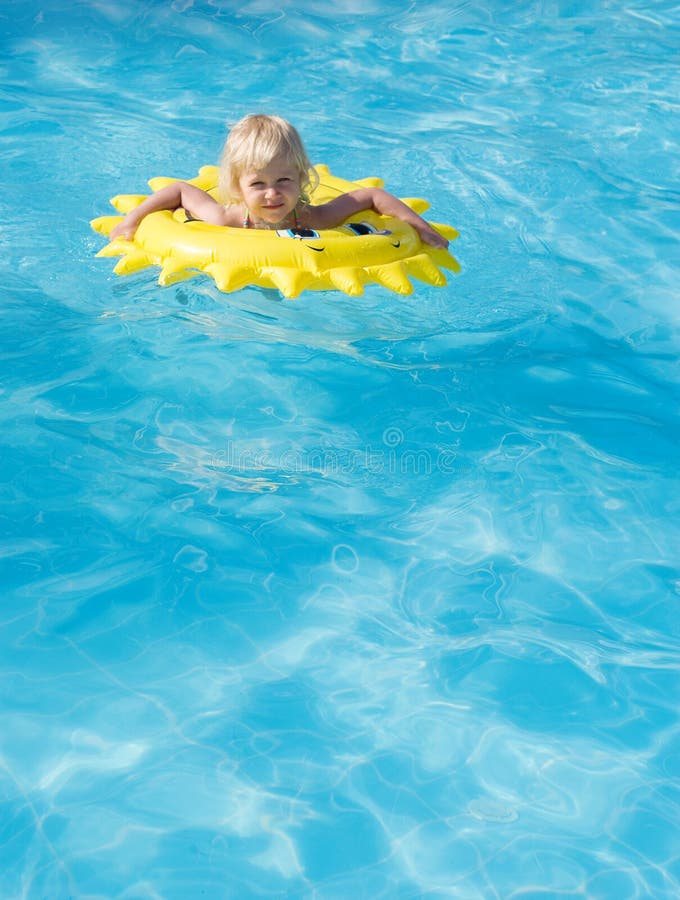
368 248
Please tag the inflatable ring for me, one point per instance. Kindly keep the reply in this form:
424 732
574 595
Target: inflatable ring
367 248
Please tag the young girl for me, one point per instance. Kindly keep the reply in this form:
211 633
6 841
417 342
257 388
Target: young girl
264 179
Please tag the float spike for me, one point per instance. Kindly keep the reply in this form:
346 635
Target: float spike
229 277
445 230
125 202
422 267
349 279
417 204
133 261
161 181
291 282
443 259
174 270
393 276
105 225
370 182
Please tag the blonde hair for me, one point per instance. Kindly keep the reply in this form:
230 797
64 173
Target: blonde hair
252 144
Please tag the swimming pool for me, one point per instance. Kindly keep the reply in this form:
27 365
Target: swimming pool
339 597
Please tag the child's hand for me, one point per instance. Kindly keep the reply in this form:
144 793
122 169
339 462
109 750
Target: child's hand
125 230
431 237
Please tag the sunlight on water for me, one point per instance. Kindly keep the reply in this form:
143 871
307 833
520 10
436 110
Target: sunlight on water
344 597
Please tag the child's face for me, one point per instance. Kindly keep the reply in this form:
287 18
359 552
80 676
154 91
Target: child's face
271 193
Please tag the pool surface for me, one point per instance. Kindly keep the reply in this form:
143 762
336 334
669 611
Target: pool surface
341 597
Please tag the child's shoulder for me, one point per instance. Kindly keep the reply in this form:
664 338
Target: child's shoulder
233 215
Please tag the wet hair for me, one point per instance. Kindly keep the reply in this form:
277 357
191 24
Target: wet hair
252 144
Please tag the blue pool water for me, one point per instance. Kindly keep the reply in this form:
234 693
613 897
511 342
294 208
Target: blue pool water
331 597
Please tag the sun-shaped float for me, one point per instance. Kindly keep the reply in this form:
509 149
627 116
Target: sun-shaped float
367 248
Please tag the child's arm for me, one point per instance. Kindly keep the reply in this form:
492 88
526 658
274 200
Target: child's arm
341 208
196 202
